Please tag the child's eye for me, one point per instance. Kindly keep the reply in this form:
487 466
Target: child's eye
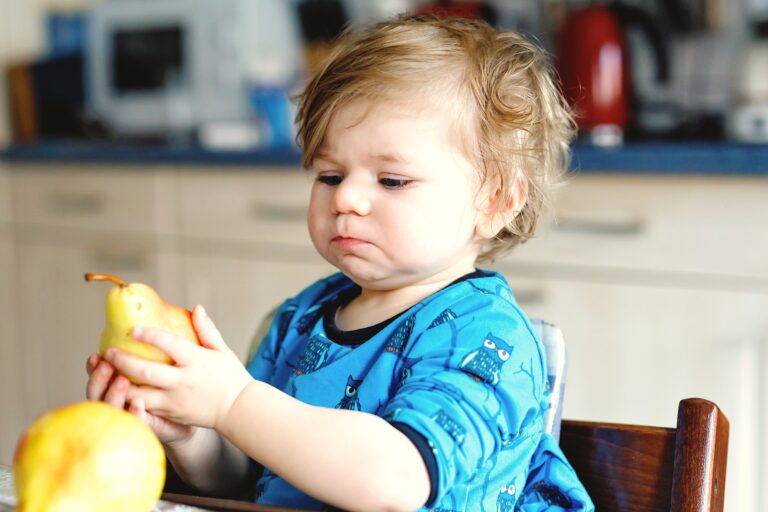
394 182
329 179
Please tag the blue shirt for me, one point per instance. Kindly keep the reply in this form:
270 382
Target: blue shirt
462 368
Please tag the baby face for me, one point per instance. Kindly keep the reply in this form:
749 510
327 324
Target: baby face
394 201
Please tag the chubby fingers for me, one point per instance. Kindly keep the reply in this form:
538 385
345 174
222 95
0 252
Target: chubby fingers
92 362
155 374
117 392
148 398
206 329
100 377
137 408
176 347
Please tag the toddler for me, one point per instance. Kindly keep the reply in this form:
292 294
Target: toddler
410 378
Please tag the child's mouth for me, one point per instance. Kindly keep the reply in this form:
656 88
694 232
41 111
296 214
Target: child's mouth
347 242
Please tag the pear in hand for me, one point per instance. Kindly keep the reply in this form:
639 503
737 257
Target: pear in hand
136 304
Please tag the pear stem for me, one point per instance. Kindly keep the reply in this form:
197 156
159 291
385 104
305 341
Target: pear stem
90 276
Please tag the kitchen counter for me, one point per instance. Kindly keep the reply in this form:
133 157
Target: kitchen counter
648 157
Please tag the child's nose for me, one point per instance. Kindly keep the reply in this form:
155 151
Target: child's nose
351 197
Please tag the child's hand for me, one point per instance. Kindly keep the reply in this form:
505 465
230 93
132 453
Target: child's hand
202 385
106 385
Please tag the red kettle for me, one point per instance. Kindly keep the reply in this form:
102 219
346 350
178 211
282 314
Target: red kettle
592 60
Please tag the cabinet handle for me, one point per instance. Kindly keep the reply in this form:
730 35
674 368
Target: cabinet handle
118 261
75 204
618 228
280 212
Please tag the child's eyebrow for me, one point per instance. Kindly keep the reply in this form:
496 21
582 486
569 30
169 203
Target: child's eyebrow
322 154
396 158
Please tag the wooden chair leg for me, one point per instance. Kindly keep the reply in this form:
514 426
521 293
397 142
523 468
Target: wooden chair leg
701 450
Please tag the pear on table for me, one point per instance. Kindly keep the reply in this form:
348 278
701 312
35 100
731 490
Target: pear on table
88 457
136 304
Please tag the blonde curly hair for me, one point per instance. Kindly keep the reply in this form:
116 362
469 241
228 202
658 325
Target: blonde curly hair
500 86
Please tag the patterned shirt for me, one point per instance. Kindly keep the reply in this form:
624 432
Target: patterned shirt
462 368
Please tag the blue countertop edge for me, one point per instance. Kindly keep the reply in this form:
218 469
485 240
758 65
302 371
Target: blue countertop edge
647 157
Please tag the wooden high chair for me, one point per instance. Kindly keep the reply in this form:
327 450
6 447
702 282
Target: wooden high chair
632 468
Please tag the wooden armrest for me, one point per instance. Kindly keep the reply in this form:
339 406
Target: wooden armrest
222 505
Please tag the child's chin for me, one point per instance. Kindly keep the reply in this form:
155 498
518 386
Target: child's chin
365 277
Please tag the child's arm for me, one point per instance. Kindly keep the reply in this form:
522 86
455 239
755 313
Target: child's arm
350 459
209 462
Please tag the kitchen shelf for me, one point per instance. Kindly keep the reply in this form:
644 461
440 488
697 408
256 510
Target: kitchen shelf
704 157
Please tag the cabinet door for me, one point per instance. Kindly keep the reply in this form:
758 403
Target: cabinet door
61 316
679 226
6 214
12 419
237 291
635 351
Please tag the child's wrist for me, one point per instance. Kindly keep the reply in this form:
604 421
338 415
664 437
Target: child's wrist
230 406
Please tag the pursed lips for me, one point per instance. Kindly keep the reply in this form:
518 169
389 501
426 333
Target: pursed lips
345 242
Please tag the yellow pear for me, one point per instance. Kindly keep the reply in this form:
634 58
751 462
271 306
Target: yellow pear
85 457
136 304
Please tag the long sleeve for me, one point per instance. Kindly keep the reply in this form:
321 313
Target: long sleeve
482 405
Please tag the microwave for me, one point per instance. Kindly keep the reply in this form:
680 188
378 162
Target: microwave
167 67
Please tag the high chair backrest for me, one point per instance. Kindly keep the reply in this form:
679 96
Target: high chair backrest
552 339
634 468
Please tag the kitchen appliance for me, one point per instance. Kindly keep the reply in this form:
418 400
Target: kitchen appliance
464 9
168 67
45 99
748 119
592 63
594 60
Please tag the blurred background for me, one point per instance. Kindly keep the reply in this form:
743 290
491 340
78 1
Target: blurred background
147 70
153 139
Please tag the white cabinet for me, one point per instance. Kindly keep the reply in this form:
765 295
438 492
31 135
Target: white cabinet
660 284
6 208
62 315
237 291
11 388
67 222
245 245
225 206
233 240
635 350
673 226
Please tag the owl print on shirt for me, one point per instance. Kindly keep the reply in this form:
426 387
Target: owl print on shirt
350 399
451 426
485 362
507 498
314 355
400 337
445 316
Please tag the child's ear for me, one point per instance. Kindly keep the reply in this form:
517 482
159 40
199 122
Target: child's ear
496 212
